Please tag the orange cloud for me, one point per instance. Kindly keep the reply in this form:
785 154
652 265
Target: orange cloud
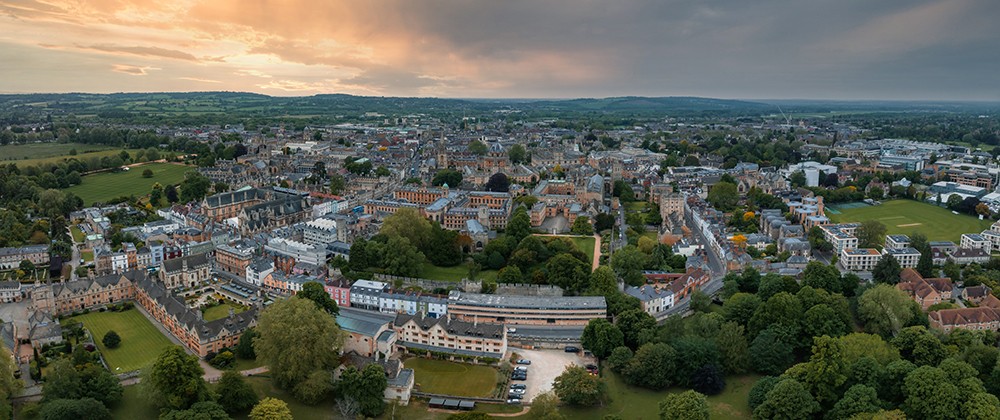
132 70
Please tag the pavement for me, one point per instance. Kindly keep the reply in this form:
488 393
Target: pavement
545 366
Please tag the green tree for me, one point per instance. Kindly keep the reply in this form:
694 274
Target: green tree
477 147
449 177
315 292
64 409
366 387
244 348
68 381
871 234
772 284
929 394
773 351
700 302
294 353
687 405
782 308
176 379
733 348
825 372
519 225
576 386
887 270
758 392
981 406
723 196
582 226
619 358
601 338
789 400
739 308
632 323
407 223
271 409
148 173
510 275
925 265
546 407
401 258
858 399
517 154
821 276
111 340
823 320
314 388
194 187
205 410
235 394
628 263
884 310
569 273
337 184
652 366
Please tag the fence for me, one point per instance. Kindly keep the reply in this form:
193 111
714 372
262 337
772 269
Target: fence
455 397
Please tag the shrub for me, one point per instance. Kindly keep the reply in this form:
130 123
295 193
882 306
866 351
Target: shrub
111 340
223 360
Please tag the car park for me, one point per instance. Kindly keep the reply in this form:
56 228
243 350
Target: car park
572 349
521 369
523 362
518 386
514 401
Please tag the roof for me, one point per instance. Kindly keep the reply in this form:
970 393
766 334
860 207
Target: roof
452 326
192 261
366 323
647 293
527 302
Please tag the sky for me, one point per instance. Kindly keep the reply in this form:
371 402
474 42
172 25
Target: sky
766 49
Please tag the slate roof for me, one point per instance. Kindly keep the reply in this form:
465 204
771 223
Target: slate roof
233 197
361 322
193 261
452 326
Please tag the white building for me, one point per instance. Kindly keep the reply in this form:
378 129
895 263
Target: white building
841 236
320 232
976 241
897 241
10 291
653 301
300 252
366 294
907 257
859 259
258 269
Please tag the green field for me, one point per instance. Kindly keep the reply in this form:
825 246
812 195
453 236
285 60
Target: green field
908 216
78 235
642 404
105 186
222 311
444 377
141 341
585 244
34 151
456 273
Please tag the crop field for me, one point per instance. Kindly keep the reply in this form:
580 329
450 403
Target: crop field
908 216
108 185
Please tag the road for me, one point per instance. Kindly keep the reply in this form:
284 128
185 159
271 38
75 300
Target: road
716 267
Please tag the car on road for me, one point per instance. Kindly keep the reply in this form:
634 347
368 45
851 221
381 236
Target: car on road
572 349
523 361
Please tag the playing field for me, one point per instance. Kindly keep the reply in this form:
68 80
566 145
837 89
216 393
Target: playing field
141 341
908 216
108 185
33 151
443 377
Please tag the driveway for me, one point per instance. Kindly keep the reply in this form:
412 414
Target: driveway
545 366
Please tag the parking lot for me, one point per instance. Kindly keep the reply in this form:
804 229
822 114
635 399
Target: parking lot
545 366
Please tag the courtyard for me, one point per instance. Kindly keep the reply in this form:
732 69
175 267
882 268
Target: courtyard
450 378
141 342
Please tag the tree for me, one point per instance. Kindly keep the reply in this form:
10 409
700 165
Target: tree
821 276
65 409
723 196
510 274
858 399
449 177
733 348
244 348
68 381
235 394
687 405
619 358
871 234
708 380
407 223
929 394
739 308
314 388
176 379
546 407
887 270
601 338
981 406
294 353
111 340
498 182
148 173
401 258
700 302
517 154
884 310
576 386
315 292
603 221
205 410
782 308
628 264
772 284
581 226
789 400
477 147
652 366
758 392
568 272
271 409
772 350
171 193
519 225
797 179
194 187
367 387
632 323
337 184
822 320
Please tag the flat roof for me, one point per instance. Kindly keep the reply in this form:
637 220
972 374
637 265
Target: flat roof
528 302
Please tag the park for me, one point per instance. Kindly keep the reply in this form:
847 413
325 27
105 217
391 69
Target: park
141 341
908 216
106 186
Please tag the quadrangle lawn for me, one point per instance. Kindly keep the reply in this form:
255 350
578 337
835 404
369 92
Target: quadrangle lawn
141 341
107 185
456 273
908 216
444 377
222 311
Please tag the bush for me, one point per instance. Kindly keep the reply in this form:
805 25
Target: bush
223 360
111 340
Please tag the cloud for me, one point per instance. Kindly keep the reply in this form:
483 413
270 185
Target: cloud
140 51
198 79
132 70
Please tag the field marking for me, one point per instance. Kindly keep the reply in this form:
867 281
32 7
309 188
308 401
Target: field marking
891 217
909 225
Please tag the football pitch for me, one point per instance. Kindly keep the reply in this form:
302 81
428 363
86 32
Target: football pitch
908 216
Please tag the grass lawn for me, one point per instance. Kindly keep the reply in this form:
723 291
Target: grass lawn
908 216
456 273
38 151
35 161
78 235
108 185
642 404
244 364
222 311
88 256
585 244
141 341
444 377
134 406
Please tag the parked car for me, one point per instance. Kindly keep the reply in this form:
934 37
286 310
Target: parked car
591 366
511 330
521 369
572 349
514 401
518 391
518 386
519 377
523 361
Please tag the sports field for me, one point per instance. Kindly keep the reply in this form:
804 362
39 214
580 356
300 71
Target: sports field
141 341
444 377
33 151
908 216
108 185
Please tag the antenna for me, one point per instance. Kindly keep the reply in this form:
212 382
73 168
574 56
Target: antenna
788 121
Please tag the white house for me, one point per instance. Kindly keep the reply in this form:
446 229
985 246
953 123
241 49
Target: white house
653 300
